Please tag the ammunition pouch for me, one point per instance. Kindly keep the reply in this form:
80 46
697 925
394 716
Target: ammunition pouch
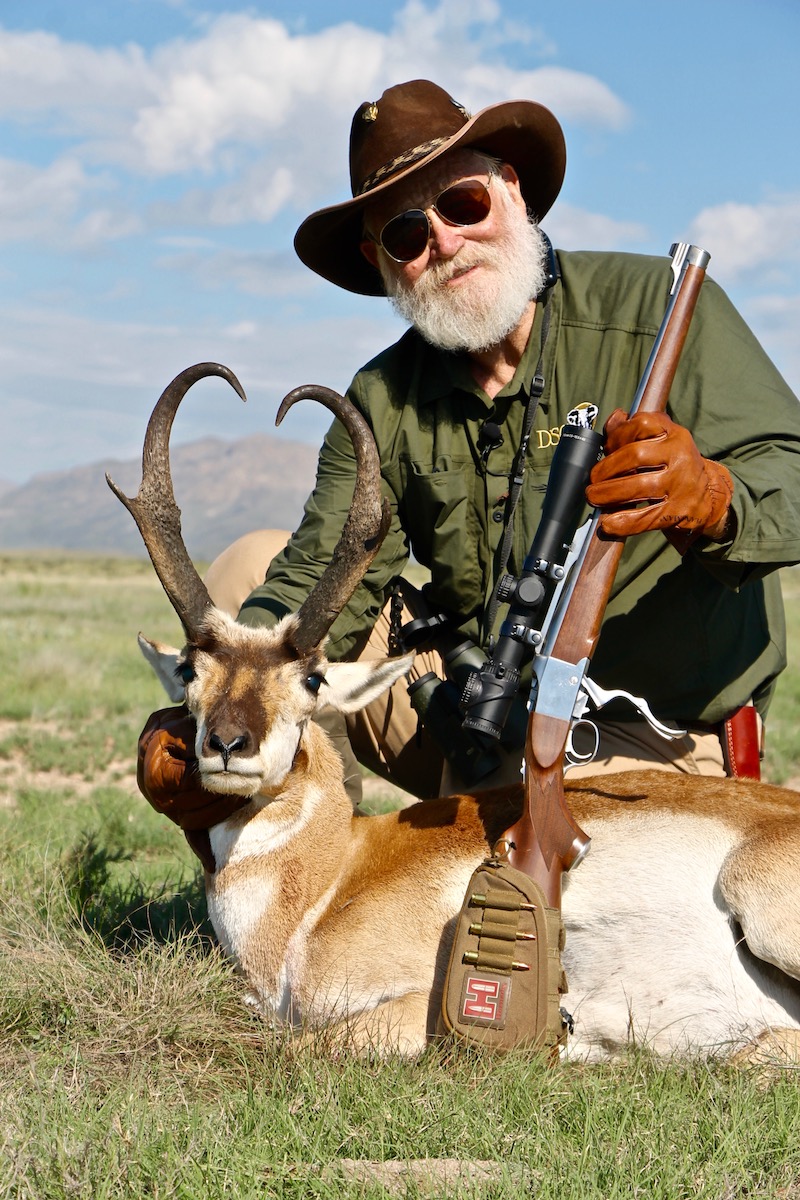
505 981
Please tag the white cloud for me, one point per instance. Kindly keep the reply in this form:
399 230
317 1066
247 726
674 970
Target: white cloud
56 205
104 225
33 200
775 320
751 240
69 86
252 273
572 95
574 228
248 81
241 331
258 194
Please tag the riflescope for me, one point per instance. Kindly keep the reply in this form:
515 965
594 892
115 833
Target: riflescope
489 691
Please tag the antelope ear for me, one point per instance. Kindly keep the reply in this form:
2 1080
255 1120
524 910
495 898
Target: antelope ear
351 686
164 661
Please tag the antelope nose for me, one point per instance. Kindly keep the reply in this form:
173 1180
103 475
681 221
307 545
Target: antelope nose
226 749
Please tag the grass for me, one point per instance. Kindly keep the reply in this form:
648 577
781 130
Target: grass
783 727
131 1066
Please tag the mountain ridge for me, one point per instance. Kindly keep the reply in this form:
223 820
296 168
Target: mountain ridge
223 488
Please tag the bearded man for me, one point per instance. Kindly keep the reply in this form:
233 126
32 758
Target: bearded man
509 341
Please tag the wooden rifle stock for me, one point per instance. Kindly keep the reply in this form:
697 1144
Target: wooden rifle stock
546 840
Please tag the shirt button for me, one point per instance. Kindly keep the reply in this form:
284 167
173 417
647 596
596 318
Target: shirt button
497 517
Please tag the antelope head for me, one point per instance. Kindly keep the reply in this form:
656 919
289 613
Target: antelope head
252 691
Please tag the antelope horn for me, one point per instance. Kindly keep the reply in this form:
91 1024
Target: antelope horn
364 529
154 509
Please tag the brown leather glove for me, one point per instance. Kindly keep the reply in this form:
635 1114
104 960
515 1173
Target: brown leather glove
168 778
650 458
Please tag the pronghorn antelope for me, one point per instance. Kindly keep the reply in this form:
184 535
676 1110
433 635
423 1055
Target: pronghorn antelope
683 924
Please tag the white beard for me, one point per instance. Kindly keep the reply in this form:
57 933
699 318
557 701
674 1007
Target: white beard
479 313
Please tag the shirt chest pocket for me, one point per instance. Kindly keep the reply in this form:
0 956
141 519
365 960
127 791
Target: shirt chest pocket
438 515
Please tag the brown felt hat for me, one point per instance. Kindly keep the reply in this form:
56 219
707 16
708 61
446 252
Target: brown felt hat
410 126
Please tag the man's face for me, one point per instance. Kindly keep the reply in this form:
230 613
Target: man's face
445 240
472 284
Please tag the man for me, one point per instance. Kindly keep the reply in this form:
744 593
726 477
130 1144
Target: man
505 336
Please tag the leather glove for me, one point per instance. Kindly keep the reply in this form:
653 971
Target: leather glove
169 779
650 458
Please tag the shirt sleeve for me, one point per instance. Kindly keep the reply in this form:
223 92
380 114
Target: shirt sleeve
296 569
742 413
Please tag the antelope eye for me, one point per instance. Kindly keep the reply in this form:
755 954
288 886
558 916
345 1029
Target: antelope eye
314 681
185 672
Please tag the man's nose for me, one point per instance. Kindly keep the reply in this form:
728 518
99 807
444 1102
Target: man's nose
445 240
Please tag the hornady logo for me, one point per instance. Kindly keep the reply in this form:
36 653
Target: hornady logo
582 417
485 1000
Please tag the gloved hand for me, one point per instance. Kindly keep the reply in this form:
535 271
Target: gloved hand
168 778
650 458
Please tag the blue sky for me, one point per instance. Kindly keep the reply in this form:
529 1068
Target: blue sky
156 157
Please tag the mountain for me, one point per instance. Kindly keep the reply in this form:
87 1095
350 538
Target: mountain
224 489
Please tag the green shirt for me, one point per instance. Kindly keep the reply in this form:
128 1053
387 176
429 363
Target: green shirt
698 635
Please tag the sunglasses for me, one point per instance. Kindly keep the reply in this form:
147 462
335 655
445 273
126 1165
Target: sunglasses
405 237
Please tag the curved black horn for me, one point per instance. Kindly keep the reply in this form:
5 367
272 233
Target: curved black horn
364 530
154 509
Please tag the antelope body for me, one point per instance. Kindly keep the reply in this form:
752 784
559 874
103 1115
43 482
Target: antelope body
683 923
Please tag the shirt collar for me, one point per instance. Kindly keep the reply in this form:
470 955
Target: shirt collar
444 373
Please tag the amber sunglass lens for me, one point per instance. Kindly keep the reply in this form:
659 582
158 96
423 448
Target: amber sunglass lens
464 203
406 236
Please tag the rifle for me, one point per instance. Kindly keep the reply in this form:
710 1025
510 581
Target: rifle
504 980
546 840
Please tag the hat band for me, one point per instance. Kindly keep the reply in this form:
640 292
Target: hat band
402 160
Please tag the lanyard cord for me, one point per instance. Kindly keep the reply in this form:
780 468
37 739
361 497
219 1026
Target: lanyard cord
518 472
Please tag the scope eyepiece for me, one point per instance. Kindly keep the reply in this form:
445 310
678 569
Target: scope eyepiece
435 701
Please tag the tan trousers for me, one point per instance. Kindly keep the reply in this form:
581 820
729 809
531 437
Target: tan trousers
386 737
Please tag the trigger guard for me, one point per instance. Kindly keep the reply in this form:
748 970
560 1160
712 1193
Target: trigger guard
571 756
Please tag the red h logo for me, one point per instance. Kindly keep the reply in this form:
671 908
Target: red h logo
484 1000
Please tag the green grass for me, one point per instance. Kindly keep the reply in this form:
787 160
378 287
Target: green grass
783 728
129 1062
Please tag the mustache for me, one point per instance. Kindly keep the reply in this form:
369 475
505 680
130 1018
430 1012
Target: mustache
439 273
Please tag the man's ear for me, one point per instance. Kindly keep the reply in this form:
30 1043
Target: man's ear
509 173
511 180
370 252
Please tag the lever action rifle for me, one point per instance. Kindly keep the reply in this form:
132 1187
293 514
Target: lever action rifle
546 840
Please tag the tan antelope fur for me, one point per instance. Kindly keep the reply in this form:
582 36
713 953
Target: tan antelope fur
683 923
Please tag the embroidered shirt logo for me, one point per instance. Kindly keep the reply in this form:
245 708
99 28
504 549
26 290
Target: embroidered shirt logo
584 416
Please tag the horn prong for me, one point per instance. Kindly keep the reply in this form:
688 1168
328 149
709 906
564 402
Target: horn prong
154 509
365 528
